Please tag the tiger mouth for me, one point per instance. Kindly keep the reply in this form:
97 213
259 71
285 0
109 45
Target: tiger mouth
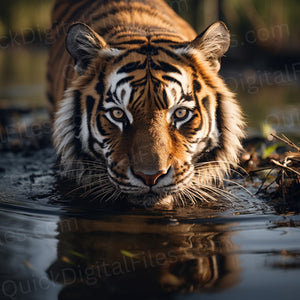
151 199
150 192
128 188
151 196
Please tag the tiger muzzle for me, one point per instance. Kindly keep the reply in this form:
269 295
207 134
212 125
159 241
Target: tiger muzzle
150 157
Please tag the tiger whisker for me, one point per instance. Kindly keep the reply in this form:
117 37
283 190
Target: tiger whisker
80 187
113 197
201 194
191 195
214 164
102 195
95 188
219 192
197 169
240 186
181 198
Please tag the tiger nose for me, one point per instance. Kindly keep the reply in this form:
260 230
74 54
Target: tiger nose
150 179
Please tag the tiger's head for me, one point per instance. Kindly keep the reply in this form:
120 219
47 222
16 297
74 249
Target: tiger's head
148 120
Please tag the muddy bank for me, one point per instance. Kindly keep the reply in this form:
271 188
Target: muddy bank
28 176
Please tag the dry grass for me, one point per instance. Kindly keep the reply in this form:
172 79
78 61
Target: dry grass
279 173
288 172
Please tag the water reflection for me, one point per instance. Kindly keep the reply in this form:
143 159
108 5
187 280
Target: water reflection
134 256
146 254
28 246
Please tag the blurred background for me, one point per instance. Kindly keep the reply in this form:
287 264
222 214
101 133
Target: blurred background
262 65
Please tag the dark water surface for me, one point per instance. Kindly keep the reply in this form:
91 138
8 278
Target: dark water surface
51 250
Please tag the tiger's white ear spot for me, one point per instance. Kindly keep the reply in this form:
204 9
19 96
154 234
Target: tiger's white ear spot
213 43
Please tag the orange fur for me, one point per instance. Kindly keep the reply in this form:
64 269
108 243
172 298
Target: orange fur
142 59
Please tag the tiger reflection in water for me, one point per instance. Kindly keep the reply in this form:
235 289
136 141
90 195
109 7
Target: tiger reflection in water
128 256
140 112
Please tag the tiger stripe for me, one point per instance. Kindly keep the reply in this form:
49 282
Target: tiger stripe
136 94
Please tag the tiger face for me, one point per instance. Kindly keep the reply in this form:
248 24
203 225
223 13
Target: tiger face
148 121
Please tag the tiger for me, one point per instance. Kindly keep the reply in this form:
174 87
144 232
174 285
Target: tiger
140 112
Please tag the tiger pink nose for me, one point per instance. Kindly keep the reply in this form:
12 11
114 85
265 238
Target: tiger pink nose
150 179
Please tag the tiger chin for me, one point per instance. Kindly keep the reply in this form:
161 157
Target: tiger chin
140 114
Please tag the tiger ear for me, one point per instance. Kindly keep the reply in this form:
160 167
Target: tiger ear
213 43
83 44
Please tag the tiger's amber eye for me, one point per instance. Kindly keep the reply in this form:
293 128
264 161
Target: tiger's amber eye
117 113
181 113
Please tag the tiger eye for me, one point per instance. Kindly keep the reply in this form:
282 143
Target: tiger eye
180 113
118 113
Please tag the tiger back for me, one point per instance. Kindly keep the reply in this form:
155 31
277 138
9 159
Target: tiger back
140 112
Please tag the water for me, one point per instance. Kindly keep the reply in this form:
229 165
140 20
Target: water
49 249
